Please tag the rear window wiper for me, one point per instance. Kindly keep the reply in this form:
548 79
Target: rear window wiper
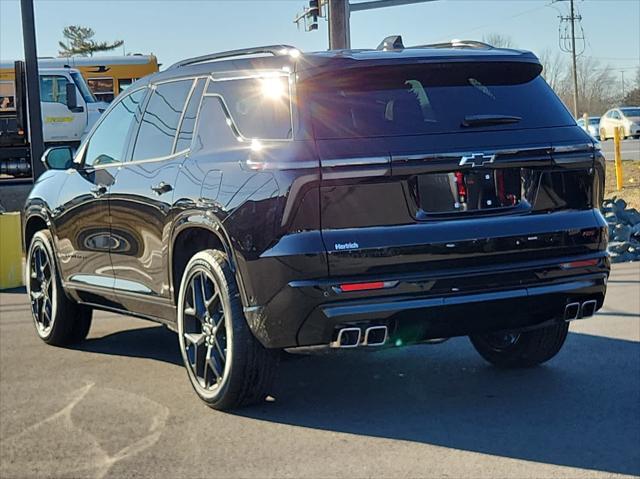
482 120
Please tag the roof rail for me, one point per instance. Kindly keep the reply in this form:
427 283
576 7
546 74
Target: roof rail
456 44
272 49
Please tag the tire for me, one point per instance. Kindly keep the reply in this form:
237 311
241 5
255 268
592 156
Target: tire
58 320
521 350
226 365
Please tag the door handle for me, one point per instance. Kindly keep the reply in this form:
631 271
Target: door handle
99 190
162 187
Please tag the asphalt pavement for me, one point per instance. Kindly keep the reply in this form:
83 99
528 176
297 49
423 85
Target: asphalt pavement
120 405
629 149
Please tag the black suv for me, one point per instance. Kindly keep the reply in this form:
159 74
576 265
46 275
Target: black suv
264 199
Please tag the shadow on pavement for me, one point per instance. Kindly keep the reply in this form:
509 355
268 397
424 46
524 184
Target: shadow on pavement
19 290
580 410
154 343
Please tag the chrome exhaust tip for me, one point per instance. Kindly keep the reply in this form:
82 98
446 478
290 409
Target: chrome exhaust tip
588 308
571 311
347 338
375 336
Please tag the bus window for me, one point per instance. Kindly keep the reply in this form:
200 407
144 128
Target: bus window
124 83
102 88
7 96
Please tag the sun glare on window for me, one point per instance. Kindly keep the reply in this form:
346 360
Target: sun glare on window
273 88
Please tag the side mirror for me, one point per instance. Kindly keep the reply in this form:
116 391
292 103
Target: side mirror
72 99
58 158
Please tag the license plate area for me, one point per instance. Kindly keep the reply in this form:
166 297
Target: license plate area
469 191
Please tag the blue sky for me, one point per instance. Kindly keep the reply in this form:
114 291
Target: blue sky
175 29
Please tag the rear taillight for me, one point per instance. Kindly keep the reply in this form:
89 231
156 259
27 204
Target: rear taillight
350 287
462 189
580 264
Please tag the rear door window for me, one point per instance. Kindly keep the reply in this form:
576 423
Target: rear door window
419 99
160 120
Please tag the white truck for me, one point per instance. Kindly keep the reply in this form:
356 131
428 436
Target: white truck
69 110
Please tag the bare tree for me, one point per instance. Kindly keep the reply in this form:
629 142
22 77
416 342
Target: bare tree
498 40
633 97
554 68
596 86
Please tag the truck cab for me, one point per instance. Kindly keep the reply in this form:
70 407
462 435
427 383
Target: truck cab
69 109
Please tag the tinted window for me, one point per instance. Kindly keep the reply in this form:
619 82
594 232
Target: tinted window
260 107
160 120
189 119
108 143
53 89
615 115
430 98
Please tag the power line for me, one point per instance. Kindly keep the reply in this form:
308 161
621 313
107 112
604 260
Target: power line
567 41
499 21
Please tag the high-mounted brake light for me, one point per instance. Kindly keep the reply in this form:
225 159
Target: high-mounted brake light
580 264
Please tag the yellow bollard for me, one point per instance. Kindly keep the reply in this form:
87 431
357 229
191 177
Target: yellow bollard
617 156
10 251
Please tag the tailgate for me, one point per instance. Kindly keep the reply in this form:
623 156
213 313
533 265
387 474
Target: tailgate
388 208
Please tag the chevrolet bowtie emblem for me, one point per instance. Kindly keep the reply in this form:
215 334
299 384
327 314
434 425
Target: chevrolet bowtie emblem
477 159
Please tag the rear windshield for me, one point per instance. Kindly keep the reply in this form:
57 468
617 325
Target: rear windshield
431 98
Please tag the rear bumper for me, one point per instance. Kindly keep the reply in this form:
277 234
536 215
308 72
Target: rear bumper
412 320
418 308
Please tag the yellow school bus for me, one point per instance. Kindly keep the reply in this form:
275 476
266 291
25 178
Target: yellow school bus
107 76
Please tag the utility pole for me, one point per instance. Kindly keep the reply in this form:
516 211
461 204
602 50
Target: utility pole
575 66
568 41
623 94
33 87
338 16
339 33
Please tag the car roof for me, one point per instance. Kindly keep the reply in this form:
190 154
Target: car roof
330 59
